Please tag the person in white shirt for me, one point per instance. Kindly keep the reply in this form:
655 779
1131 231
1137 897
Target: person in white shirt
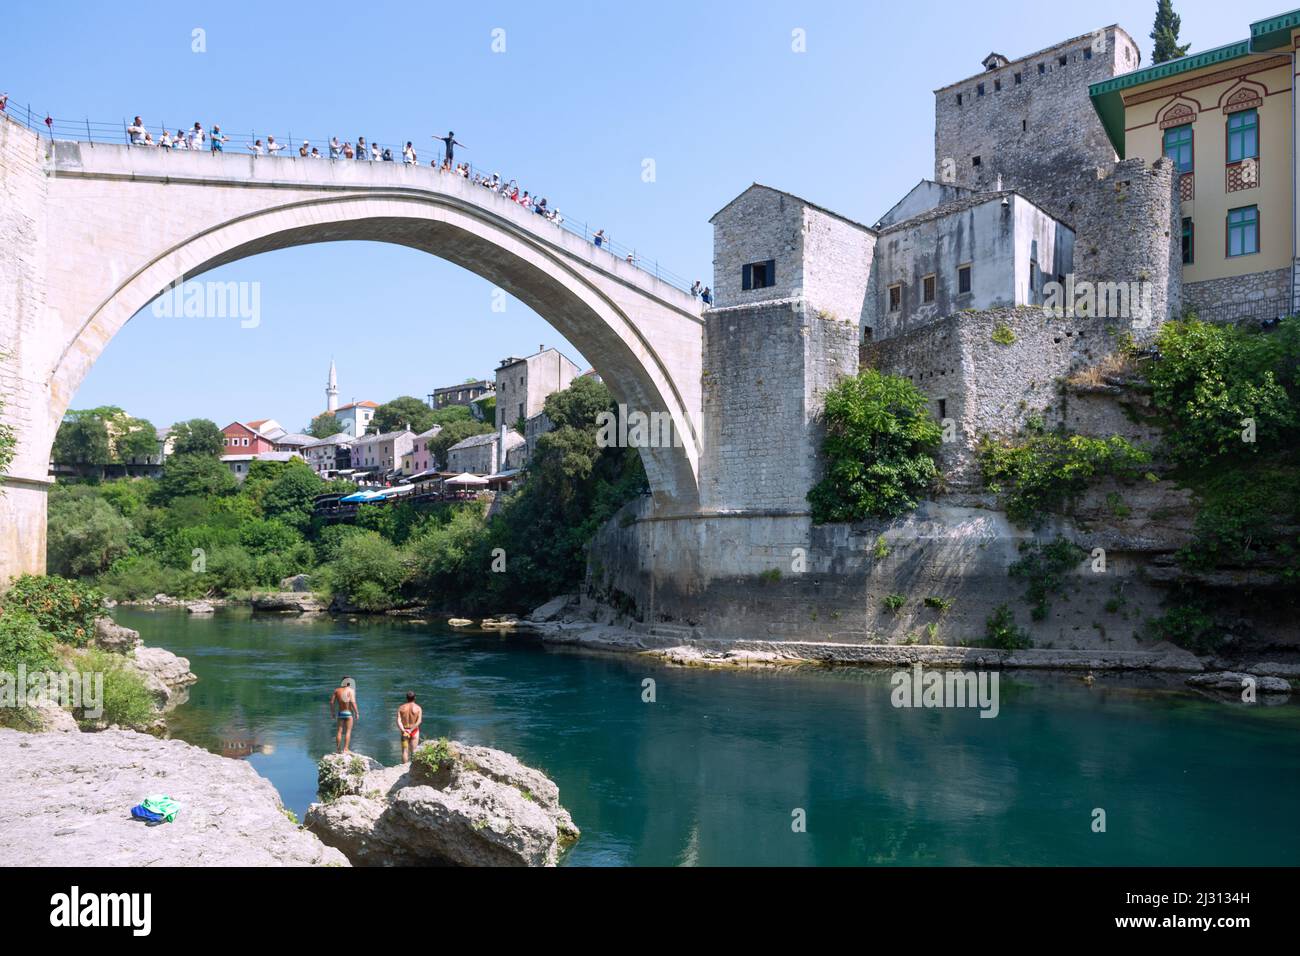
272 147
179 141
315 153
197 136
136 132
335 149
374 152
408 155
166 141
257 148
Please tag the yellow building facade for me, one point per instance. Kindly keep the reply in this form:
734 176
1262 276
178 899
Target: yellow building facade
1226 118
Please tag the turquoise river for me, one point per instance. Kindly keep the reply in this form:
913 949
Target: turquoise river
720 766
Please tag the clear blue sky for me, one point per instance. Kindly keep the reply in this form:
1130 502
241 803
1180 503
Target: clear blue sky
584 92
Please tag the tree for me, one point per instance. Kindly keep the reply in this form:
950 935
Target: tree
289 497
878 450
198 436
1165 33
86 534
194 474
406 411
448 414
82 439
138 441
452 434
324 425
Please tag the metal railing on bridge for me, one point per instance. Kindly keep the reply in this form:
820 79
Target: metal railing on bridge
91 131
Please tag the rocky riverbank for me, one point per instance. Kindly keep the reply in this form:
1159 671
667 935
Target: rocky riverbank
66 799
580 622
455 804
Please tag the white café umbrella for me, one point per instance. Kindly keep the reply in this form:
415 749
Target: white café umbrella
465 478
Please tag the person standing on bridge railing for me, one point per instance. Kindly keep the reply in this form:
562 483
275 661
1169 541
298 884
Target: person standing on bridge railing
408 154
599 237
695 289
451 143
706 296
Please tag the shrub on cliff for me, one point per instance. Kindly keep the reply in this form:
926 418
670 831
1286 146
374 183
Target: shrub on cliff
878 450
1045 471
369 570
66 609
127 700
1210 380
85 534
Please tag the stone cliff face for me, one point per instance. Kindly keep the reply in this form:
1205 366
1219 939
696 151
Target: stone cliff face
66 799
482 808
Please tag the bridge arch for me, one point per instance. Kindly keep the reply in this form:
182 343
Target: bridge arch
512 258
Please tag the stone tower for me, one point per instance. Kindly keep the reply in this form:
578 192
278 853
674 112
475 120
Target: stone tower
332 389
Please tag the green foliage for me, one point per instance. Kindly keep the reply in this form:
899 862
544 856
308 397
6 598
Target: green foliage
289 496
894 601
194 475
880 550
452 413
879 449
82 439
24 641
66 609
1209 379
454 433
85 534
941 604
137 441
324 425
770 576
1003 334
1248 518
369 571
127 699
1189 625
406 411
198 436
1047 471
1165 34
1043 569
1000 631
433 757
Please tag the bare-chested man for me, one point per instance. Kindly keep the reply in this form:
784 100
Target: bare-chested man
344 709
409 717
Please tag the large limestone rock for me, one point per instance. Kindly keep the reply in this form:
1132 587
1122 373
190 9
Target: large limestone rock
482 808
65 800
113 637
291 602
167 675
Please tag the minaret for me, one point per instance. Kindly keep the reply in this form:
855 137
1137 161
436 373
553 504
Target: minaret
332 390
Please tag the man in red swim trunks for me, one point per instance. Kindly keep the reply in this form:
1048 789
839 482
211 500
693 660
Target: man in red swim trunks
409 717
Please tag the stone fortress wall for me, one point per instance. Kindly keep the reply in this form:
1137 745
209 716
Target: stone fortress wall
755 567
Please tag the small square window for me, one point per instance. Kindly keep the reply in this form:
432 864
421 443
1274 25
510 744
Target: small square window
927 289
758 275
963 280
895 298
974 160
1063 60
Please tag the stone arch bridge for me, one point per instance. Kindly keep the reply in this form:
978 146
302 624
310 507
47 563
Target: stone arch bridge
90 233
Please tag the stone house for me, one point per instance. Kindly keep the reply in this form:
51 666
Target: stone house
329 455
522 384
483 454
382 453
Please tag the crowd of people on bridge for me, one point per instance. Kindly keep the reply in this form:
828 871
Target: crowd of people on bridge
214 140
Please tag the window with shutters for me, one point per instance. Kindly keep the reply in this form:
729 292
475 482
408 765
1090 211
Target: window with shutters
895 298
758 275
963 280
927 289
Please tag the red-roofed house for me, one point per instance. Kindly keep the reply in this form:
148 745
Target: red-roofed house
242 439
